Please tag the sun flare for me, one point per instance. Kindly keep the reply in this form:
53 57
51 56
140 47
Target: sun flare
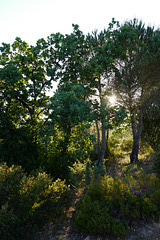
112 99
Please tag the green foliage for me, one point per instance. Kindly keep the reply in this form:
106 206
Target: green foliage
119 143
151 119
98 172
133 84
81 174
126 144
70 114
82 142
83 66
58 156
56 162
8 222
24 77
110 205
24 81
114 141
88 173
127 57
156 157
77 173
68 106
17 147
28 202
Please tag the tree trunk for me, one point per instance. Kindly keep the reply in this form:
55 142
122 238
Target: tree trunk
136 136
135 149
107 139
103 147
98 138
101 152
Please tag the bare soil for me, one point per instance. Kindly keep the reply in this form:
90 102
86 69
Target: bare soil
140 230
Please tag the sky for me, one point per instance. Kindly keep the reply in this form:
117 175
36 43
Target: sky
34 19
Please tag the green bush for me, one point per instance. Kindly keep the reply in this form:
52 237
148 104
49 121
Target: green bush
56 162
126 144
28 202
110 205
84 173
8 223
81 173
114 142
77 174
156 156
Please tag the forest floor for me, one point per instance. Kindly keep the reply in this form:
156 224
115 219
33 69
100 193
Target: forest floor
146 230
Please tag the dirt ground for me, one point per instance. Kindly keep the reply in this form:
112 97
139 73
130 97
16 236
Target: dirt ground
144 231
65 231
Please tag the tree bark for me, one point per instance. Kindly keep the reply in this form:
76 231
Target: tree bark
98 138
136 136
135 150
101 152
103 147
107 139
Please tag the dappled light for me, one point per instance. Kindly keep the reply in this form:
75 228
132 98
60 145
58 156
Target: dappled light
112 100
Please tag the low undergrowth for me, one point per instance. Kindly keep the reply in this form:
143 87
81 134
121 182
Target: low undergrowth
111 205
28 202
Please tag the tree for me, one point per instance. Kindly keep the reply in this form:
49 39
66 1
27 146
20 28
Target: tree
68 109
130 80
26 74
87 61
103 52
81 64
67 113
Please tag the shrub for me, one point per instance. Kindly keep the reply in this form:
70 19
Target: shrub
8 223
77 173
81 173
126 144
156 156
110 205
28 202
114 141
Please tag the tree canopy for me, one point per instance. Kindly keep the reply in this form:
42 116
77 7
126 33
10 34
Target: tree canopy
123 59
